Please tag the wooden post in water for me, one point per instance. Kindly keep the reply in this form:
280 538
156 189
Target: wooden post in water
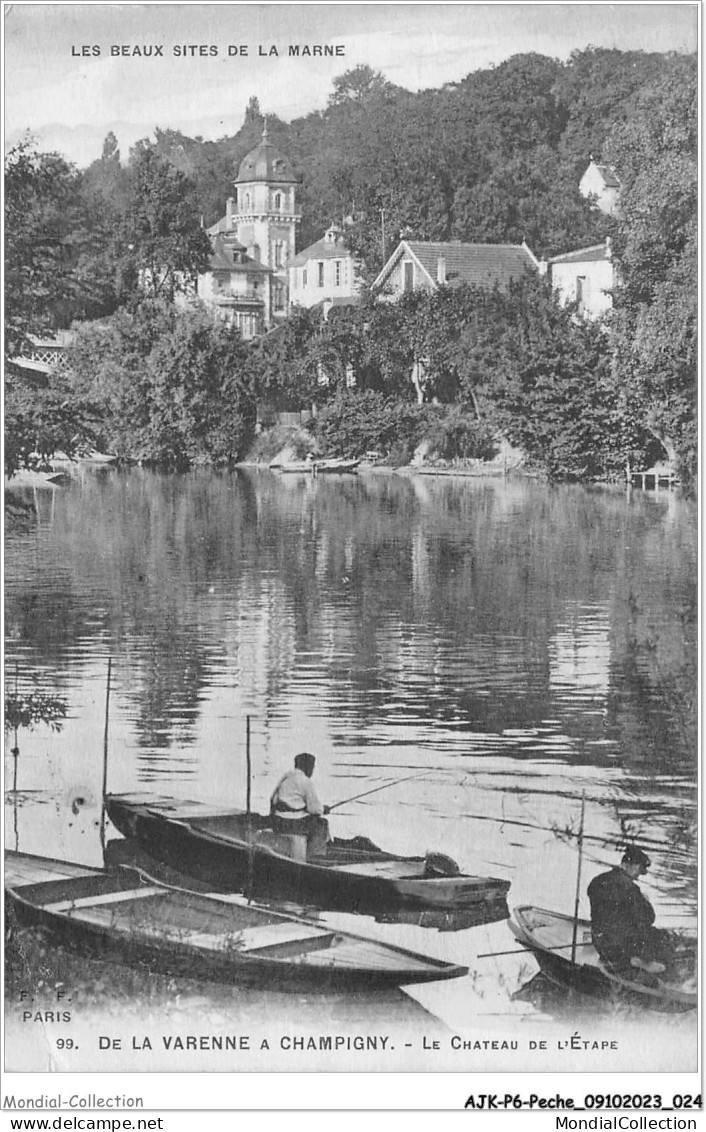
248 765
105 754
248 825
15 756
15 749
578 881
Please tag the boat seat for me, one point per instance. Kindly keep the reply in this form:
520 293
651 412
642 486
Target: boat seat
304 937
399 870
106 898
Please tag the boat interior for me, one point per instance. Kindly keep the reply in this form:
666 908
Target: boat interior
554 932
357 855
119 904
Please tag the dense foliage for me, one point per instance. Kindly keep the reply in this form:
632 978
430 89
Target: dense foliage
656 306
28 709
514 363
495 157
161 233
171 385
55 246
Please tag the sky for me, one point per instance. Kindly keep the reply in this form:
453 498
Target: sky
63 84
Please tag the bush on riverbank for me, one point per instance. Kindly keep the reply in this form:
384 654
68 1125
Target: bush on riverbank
457 434
358 422
293 440
172 386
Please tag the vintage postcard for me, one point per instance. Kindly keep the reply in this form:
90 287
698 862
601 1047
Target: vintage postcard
350 550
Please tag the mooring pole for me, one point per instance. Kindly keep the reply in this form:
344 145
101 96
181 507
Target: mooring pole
15 749
578 880
248 825
105 753
248 765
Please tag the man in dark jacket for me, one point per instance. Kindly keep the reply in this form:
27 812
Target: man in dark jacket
622 918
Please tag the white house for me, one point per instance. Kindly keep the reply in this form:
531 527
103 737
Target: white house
603 183
585 276
324 273
237 287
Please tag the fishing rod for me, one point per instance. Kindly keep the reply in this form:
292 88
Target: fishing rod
376 788
526 951
105 754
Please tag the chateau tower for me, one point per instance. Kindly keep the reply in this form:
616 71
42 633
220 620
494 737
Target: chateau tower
263 216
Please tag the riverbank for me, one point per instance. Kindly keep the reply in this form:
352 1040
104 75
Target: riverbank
488 469
27 478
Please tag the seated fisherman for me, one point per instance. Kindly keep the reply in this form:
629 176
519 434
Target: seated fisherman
295 806
622 919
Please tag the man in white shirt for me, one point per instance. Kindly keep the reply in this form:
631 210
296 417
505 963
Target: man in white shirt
295 807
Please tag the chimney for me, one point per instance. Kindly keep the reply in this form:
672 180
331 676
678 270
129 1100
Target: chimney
441 269
229 212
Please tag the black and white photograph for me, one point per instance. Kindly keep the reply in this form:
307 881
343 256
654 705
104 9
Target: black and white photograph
351 546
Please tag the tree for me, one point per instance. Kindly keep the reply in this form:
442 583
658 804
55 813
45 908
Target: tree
597 89
162 233
253 112
283 363
107 179
361 84
41 419
53 245
655 320
529 197
55 270
172 386
542 376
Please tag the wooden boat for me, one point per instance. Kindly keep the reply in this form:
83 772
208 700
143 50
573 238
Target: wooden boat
127 852
230 851
126 915
318 467
549 936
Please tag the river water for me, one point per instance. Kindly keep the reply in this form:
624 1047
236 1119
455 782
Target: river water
524 645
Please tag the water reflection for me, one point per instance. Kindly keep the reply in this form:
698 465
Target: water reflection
126 851
521 643
457 920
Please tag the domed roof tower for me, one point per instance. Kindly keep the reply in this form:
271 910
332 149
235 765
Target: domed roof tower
265 163
264 215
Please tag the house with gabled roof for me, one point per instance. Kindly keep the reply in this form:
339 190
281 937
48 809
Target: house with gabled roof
586 277
603 184
417 265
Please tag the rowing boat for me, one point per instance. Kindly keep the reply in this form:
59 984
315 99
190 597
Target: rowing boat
231 850
317 467
128 916
565 953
